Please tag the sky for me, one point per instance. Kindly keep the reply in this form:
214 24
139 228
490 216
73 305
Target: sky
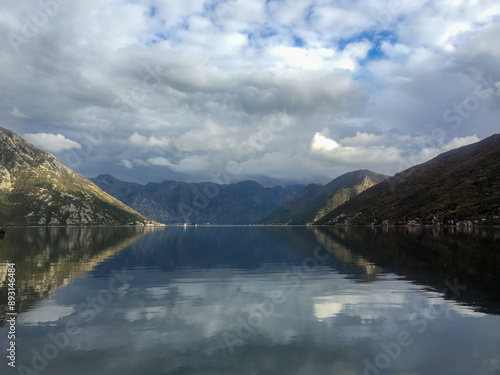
278 91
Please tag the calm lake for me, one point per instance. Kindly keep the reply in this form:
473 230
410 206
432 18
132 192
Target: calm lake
252 300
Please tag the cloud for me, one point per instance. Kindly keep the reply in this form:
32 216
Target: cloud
140 162
51 142
160 161
332 312
17 113
459 142
322 143
210 136
47 312
372 151
142 141
431 152
198 83
364 153
127 164
189 164
363 138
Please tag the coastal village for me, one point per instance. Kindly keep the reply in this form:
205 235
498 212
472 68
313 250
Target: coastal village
343 219
146 223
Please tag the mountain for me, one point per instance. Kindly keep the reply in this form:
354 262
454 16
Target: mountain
36 189
461 184
315 201
182 202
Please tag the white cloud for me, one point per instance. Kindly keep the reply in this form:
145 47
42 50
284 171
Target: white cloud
51 142
341 21
139 140
367 154
459 142
450 33
127 163
160 161
46 312
352 53
210 136
17 113
431 152
191 164
322 143
326 307
320 58
363 138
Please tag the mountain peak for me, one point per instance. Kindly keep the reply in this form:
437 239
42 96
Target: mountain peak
107 178
315 201
205 202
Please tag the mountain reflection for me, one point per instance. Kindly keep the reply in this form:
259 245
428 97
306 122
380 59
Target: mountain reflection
49 258
262 300
466 258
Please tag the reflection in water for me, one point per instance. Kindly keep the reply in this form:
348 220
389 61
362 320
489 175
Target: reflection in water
263 301
465 261
344 255
48 258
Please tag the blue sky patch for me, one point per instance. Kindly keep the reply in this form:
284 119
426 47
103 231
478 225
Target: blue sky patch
376 37
298 42
159 37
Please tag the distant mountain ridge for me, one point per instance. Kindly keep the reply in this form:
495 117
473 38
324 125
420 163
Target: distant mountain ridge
37 189
462 184
182 202
315 201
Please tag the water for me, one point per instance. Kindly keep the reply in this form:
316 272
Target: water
253 300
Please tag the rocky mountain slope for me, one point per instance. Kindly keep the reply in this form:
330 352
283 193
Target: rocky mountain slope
315 201
37 189
181 202
459 185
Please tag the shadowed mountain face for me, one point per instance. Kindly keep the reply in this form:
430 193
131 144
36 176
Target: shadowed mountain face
462 184
180 202
314 201
36 189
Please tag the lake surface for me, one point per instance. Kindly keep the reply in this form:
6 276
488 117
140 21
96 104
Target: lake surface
253 300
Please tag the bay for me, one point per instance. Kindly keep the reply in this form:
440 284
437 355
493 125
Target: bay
253 300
